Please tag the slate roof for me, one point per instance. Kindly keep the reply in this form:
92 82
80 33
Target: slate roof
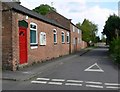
19 8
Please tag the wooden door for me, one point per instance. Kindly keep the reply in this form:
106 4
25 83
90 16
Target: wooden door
23 45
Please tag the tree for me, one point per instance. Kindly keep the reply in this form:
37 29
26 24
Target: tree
112 27
103 39
44 9
89 30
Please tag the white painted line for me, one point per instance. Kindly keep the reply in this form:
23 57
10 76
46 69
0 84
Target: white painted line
93 82
95 86
74 81
57 80
73 84
43 79
37 82
55 83
112 84
95 70
113 87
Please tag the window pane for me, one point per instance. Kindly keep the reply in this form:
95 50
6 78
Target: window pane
62 38
67 38
42 38
32 36
33 26
55 38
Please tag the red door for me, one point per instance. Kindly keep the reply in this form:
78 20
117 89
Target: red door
23 45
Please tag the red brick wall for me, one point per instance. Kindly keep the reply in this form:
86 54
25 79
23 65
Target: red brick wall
6 38
42 52
59 18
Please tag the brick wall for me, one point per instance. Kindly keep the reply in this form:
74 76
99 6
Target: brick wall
41 53
6 38
59 18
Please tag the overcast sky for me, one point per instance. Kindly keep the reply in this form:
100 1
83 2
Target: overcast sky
96 11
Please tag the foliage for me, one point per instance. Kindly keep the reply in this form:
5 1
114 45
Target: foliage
44 9
103 39
89 30
115 49
112 27
97 39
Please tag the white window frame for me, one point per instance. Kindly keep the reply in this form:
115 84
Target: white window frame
78 31
41 34
68 37
79 40
73 40
33 47
63 34
73 28
55 32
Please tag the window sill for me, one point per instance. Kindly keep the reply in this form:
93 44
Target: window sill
34 47
55 43
42 45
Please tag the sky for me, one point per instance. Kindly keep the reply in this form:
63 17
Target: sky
97 11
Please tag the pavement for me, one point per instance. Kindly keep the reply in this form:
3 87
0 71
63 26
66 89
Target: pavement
30 72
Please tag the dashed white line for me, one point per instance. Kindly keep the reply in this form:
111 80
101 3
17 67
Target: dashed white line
93 82
113 87
74 81
112 84
58 80
43 79
73 84
55 83
37 82
95 86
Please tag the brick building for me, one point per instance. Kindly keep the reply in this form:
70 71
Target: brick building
75 32
28 37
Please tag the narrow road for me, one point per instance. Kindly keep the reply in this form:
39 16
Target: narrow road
92 71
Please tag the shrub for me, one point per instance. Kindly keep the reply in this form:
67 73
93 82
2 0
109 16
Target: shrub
115 49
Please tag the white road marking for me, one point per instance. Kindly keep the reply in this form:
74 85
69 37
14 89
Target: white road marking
95 70
43 79
93 82
41 82
73 84
113 87
112 84
95 86
55 83
58 80
74 81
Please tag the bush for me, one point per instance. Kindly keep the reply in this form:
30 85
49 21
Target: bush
115 49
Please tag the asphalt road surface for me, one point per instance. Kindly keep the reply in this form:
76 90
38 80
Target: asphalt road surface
92 71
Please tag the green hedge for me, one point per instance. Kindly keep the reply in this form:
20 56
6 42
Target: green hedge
115 49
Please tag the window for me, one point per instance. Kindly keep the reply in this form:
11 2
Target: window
43 38
33 34
78 40
55 35
78 31
63 37
68 37
73 40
